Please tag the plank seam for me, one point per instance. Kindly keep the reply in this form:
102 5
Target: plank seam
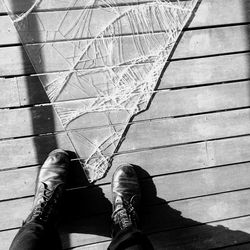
156 147
156 205
216 26
170 229
158 91
132 123
233 245
208 56
147 204
81 8
149 233
96 68
125 35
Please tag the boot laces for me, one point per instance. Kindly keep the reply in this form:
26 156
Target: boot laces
45 204
125 215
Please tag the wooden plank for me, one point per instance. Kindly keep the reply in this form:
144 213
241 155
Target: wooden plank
206 70
206 15
211 235
240 7
10 93
43 119
16 147
15 92
187 129
197 100
170 131
193 44
201 182
21 91
6 238
177 214
214 234
28 90
239 247
212 41
31 151
196 156
39 119
52 5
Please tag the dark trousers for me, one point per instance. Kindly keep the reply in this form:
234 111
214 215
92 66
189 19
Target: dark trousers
36 236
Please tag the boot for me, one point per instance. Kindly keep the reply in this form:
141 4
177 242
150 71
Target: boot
49 188
126 197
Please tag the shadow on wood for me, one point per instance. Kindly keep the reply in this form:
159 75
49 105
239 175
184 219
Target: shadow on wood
168 229
35 89
86 220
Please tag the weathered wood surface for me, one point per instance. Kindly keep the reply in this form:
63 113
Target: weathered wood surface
48 5
21 91
163 131
194 43
228 205
216 235
202 182
195 146
161 160
172 103
206 15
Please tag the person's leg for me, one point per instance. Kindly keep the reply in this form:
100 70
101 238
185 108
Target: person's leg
38 230
36 236
130 239
126 196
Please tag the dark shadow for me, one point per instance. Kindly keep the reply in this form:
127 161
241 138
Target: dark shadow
87 214
42 119
175 231
86 210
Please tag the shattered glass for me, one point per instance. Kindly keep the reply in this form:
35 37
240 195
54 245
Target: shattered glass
99 62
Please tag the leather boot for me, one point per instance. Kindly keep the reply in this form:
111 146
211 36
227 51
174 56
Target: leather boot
49 188
126 197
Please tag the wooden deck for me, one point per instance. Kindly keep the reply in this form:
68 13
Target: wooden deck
192 144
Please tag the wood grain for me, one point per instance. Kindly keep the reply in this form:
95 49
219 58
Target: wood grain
31 151
214 234
204 16
211 235
43 119
28 90
194 43
199 162
184 213
185 185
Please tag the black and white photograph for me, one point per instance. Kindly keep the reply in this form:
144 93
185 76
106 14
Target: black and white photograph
124 124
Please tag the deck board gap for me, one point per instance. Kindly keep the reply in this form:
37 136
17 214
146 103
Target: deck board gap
220 83
34 74
186 29
231 246
208 56
147 120
215 26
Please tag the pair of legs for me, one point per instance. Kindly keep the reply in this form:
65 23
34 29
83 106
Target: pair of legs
39 229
